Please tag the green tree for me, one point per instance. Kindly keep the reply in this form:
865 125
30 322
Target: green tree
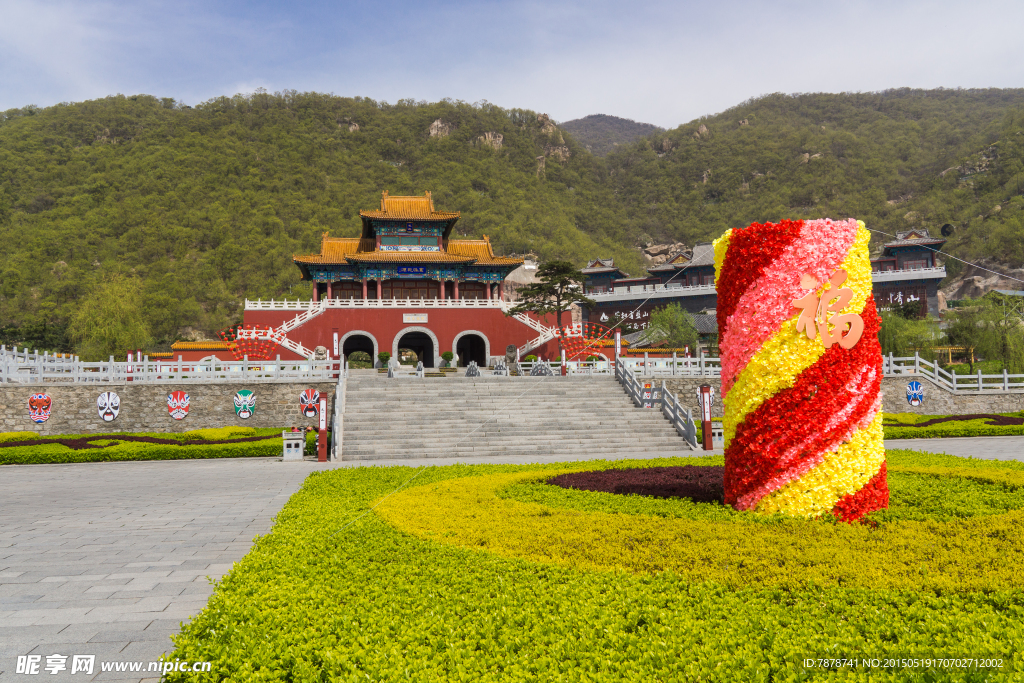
903 334
676 325
992 328
109 321
560 286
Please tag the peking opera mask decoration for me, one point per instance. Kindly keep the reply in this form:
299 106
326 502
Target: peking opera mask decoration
245 404
39 406
309 402
108 405
177 404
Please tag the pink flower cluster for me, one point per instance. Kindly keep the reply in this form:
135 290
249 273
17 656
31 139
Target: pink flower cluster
768 302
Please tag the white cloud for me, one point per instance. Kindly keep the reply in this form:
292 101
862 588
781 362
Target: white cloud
661 62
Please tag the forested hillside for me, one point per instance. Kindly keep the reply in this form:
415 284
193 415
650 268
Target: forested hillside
205 206
191 209
894 159
601 133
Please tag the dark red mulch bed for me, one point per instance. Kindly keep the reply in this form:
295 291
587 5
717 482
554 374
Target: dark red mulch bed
699 484
994 420
84 442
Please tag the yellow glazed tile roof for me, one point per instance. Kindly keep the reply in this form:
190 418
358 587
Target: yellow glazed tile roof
353 250
481 251
200 346
407 257
401 208
335 249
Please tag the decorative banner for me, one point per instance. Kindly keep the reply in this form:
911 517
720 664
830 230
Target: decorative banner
39 406
309 402
108 405
915 393
801 369
177 404
245 404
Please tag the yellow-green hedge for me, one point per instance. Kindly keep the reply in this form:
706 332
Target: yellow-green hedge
335 593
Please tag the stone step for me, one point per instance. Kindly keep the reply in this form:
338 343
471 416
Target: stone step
414 439
679 447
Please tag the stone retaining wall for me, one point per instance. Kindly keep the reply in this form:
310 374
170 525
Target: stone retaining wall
938 400
144 407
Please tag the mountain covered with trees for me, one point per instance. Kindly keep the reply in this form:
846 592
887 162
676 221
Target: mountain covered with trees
187 211
602 134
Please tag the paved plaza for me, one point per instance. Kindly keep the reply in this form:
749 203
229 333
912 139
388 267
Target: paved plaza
107 559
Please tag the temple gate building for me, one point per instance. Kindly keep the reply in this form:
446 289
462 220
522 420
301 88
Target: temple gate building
403 284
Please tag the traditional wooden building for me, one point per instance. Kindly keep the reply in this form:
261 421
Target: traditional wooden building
404 283
405 252
907 271
600 274
686 278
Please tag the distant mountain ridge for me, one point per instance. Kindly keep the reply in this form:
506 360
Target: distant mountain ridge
601 133
204 206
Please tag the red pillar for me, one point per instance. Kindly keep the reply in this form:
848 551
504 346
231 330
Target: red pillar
364 287
488 286
501 291
379 288
330 290
455 289
440 289
316 291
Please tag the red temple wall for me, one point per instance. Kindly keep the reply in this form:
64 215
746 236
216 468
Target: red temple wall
384 324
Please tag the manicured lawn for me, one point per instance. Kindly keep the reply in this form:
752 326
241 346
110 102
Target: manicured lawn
486 573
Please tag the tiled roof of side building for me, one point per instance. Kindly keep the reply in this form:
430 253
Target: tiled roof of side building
916 236
336 249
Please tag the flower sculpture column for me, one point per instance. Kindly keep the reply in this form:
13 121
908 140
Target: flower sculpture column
801 369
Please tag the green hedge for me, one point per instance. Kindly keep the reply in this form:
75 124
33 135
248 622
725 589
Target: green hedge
898 426
335 593
46 449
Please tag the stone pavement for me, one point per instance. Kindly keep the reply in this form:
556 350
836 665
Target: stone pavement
108 558
987 447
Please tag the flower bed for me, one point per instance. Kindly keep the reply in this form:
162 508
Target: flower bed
799 345
700 484
336 592
26 448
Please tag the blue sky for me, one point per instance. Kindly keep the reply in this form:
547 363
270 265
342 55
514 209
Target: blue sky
660 62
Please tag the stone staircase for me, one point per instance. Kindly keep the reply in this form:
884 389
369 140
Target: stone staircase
407 417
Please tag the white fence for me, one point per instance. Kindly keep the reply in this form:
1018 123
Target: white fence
24 367
915 365
32 367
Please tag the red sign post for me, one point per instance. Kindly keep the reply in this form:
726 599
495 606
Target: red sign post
705 415
321 438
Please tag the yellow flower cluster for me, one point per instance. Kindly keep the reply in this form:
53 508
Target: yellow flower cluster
721 246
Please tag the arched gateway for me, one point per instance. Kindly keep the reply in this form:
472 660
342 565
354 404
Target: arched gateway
420 340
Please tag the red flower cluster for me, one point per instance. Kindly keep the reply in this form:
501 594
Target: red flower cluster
751 250
255 349
874 496
770 440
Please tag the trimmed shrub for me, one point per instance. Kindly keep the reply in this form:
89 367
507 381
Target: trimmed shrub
17 436
334 592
